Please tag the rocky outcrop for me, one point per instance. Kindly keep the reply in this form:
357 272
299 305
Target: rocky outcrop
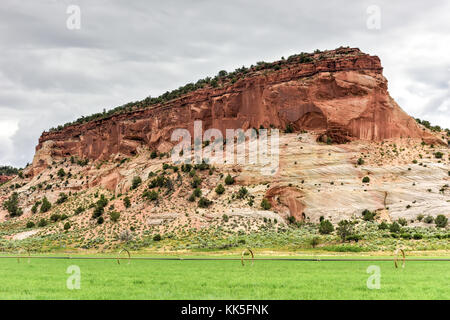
341 95
4 179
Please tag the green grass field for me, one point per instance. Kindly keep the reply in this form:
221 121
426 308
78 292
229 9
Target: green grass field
105 279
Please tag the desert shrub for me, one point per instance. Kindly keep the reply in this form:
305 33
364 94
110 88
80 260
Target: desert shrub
64 216
220 189
438 155
114 215
204 203
229 180
42 223
55 217
394 227
366 180
127 202
150 195
291 219
46 205
196 182
402 222
154 154
344 229
417 236
197 192
314 242
157 237
242 193
360 161
225 218
100 220
428 219
98 211
79 210
406 235
12 205
441 221
62 198
61 173
191 198
325 227
30 224
265 204
354 237
136 182
420 217
67 226
289 128
383 226
368 215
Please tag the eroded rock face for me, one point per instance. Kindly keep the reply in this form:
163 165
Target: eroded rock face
343 98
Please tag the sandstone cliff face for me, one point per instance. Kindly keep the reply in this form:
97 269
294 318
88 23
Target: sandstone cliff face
342 97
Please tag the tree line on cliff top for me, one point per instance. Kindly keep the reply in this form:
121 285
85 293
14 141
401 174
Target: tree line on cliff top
221 78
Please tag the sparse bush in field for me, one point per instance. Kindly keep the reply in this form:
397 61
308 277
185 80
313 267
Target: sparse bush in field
438 155
344 229
12 205
79 210
366 180
220 189
417 236
360 161
42 223
150 195
383 226
420 217
67 226
61 173
229 180
402 222
30 224
265 204
441 221
354 237
196 182
125 235
127 202
197 192
242 193
406 236
114 215
46 205
325 227
428 219
292 220
368 215
314 242
204 203
225 218
100 220
55 217
394 227
157 237
289 128
191 198
62 198
136 182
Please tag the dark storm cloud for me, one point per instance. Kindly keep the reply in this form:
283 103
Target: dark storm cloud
127 50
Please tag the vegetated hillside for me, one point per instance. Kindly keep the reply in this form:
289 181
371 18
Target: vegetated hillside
355 172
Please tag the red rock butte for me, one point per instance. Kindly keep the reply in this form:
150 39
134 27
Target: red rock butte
341 94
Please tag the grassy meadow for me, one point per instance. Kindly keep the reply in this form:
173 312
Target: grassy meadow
184 279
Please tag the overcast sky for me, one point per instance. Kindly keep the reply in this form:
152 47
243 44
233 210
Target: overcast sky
127 50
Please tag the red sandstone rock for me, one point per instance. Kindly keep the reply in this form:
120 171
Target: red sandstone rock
344 97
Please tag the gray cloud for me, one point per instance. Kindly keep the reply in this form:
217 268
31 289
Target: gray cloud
126 51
